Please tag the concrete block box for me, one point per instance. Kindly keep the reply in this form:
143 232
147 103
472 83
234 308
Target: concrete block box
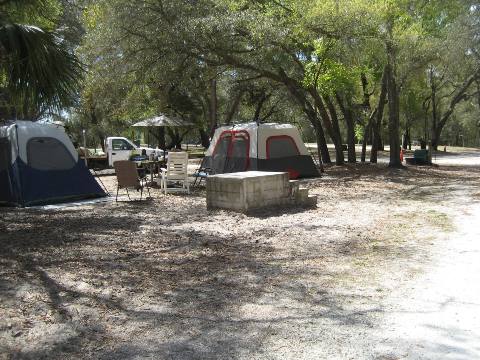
247 190
244 191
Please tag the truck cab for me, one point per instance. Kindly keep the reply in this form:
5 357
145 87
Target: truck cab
120 148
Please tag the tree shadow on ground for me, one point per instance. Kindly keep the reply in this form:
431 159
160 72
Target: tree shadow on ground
414 183
168 293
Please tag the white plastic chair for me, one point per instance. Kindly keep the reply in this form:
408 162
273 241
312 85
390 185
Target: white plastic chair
176 171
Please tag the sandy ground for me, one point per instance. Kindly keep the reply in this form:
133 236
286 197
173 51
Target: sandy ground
384 268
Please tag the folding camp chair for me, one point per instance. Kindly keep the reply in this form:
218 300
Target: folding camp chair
127 177
176 171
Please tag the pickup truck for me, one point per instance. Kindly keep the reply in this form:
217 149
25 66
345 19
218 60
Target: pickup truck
119 148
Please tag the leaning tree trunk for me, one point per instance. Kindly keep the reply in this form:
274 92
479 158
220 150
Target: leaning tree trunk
312 116
437 128
459 96
333 131
322 147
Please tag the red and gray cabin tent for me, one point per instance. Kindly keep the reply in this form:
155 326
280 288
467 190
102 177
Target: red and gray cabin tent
261 147
39 165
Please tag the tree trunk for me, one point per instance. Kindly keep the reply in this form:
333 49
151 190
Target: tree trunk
393 119
312 116
175 139
204 138
258 109
368 135
459 96
381 144
335 125
96 122
346 108
322 148
408 139
393 94
433 96
436 136
333 131
213 106
478 93
378 116
102 142
367 109
366 94
159 135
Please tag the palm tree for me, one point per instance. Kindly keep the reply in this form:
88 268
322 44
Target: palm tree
38 73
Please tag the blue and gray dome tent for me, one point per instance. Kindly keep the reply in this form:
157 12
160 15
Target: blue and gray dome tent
265 147
39 165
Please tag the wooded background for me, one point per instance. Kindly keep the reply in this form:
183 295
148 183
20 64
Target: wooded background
344 71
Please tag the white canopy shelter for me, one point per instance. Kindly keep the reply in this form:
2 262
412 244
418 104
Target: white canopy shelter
163 120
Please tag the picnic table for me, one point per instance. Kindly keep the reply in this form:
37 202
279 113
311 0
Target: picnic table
420 157
152 166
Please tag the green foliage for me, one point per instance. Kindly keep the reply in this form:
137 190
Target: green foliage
38 72
359 132
41 13
92 15
330 76
146 57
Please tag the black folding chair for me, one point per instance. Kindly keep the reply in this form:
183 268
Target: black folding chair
201 173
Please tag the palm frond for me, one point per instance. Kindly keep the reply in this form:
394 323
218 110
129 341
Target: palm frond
40 71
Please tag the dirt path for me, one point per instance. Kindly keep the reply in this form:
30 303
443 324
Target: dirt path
438 315
356 278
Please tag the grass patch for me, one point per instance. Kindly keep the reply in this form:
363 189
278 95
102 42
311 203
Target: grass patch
196 153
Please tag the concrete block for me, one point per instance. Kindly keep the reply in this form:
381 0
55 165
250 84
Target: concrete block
244 191
310 201
301 195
